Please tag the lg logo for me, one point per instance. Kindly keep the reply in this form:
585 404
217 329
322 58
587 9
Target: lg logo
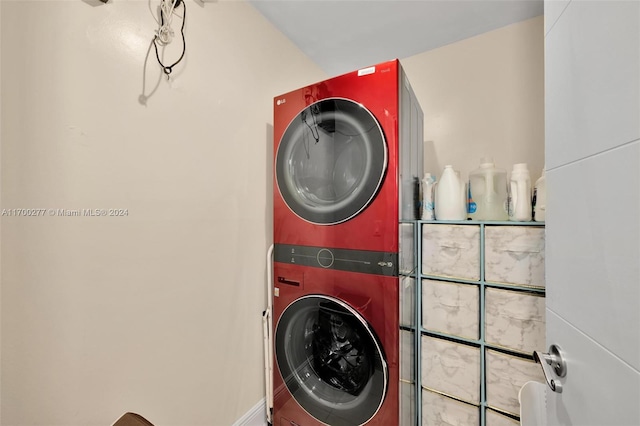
280 101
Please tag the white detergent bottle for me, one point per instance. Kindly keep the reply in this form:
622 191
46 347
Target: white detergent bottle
448 201
520 194
427 197
540 199
488 192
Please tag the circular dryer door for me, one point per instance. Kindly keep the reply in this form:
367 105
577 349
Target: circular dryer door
331 360
331 161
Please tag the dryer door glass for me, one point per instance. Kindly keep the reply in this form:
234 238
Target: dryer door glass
331 360
331 161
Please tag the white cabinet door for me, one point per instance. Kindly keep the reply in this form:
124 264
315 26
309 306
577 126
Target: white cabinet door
592 120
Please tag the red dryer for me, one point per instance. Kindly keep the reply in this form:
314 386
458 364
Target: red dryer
348 160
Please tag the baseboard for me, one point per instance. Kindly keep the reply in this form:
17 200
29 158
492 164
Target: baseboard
256 416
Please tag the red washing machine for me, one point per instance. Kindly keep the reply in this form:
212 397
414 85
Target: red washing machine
348 159
336 347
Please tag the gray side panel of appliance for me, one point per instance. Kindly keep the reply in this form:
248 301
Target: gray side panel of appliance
410 148
411 153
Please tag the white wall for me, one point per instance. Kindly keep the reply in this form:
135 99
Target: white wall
593 209
158 312
483 96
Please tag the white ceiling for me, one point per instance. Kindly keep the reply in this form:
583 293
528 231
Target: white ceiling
345 35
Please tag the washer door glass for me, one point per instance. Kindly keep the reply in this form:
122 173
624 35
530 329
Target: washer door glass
331 360
331 161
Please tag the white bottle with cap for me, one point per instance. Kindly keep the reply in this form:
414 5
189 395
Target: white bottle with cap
488 192
540 199
520 194
427 197
449 198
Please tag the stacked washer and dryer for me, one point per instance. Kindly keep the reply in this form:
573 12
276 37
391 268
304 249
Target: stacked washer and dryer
348 160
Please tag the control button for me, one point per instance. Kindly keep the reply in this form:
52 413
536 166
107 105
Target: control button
325 258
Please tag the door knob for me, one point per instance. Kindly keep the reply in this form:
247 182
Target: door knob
552 363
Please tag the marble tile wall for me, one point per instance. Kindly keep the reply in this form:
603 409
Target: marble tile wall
498 419
451 308
515 255
515 320
439 410
505 375
451 251
451 368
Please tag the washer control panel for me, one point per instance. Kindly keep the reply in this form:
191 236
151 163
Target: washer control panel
370 262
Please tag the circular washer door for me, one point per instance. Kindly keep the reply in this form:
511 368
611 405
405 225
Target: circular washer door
331 161
331 360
